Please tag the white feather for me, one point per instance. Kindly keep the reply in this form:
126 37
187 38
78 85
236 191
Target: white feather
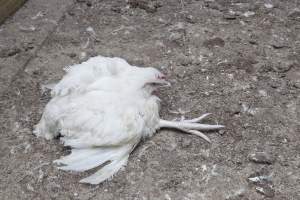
79 76
102 108
86 159
106 172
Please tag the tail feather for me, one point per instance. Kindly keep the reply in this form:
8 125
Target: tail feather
85 159
106 172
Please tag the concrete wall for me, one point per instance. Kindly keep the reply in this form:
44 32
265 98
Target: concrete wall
8 7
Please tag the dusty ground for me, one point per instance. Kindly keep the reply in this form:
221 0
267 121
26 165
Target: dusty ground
238 59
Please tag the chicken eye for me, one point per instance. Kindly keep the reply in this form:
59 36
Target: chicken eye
154 84
161 76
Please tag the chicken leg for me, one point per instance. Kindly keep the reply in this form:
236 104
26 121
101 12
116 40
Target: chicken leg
191 126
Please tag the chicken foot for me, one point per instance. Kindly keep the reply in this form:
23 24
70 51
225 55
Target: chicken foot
191 126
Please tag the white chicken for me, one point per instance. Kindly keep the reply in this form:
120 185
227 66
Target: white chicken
102 108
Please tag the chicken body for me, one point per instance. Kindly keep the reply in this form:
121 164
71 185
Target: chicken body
102 111
102 108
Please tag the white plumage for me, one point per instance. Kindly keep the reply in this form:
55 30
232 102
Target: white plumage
102 108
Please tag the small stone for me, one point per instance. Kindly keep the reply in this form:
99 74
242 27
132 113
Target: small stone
245 63
295 14
284 67
28 46
167 197
263 182
186 142
229 16
214 42
265 67
260 178
137 61
89 4
275 84
27 28
234 109
9 52
261 158
294 76
237 194
91 30
179 71
71 55
296 84
178 27
82 55
148 6
284 162
175 37
222 132
253 42
190 19
29 187
268 5
71 12
249 14
213 5
38 15
278 43
266 190
116 9
263 93
184 60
